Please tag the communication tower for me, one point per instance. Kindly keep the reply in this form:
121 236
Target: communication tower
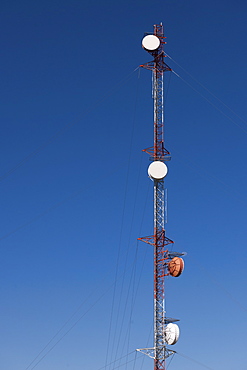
165 262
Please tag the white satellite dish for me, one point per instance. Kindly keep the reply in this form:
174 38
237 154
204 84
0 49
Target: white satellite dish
171 334
157 170
150 42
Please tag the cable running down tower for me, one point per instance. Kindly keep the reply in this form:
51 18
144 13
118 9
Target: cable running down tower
165 262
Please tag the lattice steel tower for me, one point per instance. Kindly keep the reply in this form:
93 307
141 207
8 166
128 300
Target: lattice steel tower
165 262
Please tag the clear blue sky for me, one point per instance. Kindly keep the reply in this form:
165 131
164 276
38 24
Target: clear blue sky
75 115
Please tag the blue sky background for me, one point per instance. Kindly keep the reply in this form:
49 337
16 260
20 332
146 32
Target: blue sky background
76 112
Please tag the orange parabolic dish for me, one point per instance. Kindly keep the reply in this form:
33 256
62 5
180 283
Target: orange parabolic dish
176 266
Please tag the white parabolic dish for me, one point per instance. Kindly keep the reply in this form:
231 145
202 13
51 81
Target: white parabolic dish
157 170
151 42
171 334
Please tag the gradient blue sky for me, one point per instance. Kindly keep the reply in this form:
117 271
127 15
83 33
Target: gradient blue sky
75 115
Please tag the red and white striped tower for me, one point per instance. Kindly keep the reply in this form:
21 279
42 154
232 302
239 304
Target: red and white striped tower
163 259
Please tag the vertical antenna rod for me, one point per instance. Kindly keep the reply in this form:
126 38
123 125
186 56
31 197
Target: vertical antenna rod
154 45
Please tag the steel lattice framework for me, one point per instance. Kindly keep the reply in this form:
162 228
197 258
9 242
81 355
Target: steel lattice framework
158 240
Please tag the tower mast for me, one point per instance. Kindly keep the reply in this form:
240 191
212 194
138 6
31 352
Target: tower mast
163 259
